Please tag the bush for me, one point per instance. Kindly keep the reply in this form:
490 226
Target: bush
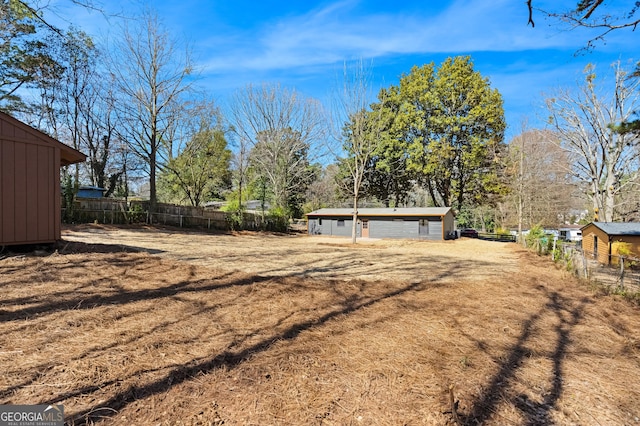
137 214
235 219
276 223
502 232
536 239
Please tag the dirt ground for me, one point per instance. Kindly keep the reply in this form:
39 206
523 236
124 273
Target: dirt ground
164 327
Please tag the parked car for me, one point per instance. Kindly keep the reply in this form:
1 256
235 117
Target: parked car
469 232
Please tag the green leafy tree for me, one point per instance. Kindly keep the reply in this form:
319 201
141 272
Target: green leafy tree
281 159
25 57
388 177
201 171
450 124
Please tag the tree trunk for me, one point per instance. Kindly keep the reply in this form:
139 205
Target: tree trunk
153 197
354 226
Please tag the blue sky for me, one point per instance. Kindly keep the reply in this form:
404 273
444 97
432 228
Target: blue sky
303 45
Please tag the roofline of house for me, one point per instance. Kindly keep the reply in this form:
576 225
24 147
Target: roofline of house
610 234
68 155
378 214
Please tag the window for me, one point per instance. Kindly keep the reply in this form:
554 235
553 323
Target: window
341 223
320 221
365 224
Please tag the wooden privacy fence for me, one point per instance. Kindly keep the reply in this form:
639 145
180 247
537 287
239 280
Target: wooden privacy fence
117 211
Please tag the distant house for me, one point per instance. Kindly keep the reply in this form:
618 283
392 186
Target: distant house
430 223
257 205
87 191
30 164
570 233
602 239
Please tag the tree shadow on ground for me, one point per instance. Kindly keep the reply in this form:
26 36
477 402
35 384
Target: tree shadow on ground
499 389
116 393
227 359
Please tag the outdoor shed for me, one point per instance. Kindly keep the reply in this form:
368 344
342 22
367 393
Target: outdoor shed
603 240
30 164
428 223
89 191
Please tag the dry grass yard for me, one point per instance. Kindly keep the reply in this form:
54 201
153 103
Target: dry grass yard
153 326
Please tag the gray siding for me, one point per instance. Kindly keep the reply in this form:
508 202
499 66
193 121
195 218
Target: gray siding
435 230
390 228
342 231
386 227
449 224
329 226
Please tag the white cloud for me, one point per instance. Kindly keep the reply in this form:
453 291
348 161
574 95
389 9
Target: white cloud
336 32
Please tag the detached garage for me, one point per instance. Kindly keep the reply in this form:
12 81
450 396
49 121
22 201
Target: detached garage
428 223
30 164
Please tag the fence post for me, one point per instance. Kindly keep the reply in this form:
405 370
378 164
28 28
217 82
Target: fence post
621 272
584 264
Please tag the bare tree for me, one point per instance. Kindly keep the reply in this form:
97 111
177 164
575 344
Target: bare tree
594 14
541 189
323 191
279 133
150 78
80 60
603 160
358 131
107 153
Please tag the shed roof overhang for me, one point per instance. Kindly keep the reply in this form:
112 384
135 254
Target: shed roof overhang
68 155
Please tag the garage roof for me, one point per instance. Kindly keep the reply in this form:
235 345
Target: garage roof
410 211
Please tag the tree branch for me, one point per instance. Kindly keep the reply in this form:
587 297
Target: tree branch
530 14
